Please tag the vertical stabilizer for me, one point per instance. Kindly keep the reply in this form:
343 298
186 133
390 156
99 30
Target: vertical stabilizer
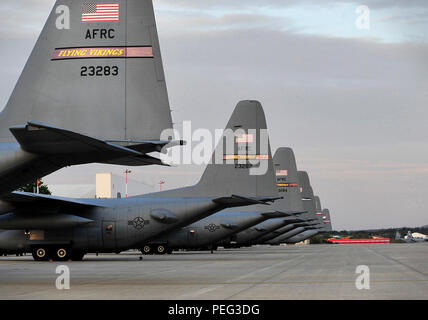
307 194
286 180
242 162
96 70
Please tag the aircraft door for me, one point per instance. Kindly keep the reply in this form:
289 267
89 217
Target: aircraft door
109 234
192 236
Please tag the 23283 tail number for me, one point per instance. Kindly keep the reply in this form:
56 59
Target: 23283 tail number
99 71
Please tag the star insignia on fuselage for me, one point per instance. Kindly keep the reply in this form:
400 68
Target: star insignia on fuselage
138 223
212 227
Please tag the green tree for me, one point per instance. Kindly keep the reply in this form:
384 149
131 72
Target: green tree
32 187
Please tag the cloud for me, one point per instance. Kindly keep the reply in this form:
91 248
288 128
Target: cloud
23 19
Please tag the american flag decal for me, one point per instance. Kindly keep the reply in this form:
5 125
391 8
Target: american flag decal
100 12
281 173
245 138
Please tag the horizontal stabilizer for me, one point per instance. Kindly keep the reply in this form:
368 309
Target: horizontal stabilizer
238 201
280 214
306 224
294 220
312 228
43 139
150 146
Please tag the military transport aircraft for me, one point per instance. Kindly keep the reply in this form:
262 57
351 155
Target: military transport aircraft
204 234
61 228
92 90
286 182
309 204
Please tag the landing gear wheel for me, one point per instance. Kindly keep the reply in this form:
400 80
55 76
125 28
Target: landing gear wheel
147 249
169 251
160 249
40 254
61 254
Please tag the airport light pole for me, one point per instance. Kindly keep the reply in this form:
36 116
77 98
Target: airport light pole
160 185
126 183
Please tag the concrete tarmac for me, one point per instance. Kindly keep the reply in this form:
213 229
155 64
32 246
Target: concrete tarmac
397 271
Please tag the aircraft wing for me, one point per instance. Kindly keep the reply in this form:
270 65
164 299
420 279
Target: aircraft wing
43 139
17 199
21 210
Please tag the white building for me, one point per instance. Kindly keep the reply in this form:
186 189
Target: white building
109 185
106 185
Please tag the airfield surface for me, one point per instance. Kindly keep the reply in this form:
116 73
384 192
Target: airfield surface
397 271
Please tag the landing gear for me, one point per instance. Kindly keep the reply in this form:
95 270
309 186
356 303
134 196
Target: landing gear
147 250
56 253
160 249
61 254
40 254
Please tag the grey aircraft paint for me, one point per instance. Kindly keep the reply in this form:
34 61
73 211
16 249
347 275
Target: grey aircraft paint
204 234
95 92
287 184
286 235
302 236
326 221
115 225
276 233
310 205
318 211
248 236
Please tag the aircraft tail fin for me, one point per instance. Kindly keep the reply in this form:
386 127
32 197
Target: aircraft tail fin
100 77
286 180
241 168
242 161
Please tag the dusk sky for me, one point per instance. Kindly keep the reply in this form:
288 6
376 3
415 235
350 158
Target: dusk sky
351 102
